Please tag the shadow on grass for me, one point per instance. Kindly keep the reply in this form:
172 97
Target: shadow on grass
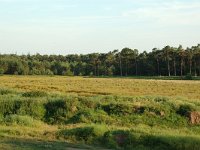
120 139
29 144
147 77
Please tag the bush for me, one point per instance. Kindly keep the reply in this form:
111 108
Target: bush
184 110
91 116
1 71
89 134
1 118
4 91
8 107
58 111
119 139
21 120
32 107
34 94
118 109
188 77
29 107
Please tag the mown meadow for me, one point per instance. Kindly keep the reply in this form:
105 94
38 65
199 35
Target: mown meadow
55 112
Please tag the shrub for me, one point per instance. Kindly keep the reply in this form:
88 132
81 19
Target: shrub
34 94
32 107
188 77
1 71
119 139
58 111
91 116
29 107
185 109
21 120
4 91
118 109
88 134
1 118
161 99
87 103
155 142
8 107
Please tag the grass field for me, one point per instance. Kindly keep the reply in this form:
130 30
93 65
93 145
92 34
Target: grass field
43 112
103 86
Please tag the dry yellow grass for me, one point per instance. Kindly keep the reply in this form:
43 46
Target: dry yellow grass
105 86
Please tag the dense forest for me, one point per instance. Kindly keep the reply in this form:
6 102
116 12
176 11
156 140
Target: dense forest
169 61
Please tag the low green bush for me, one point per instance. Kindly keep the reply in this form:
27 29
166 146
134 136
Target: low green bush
5 91
119 139
185 109
88 134
58 111
34 94
129 140
21 120
31 107
188 77
8 107
118 109
1 71
91 116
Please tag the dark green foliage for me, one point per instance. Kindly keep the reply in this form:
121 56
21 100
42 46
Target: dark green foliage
34 94
188 77
119 139
19 120
29 107
127 62
88 134
65 110
184 110
4 91
118 109
1 71
128 140
8 107
56 111
81 134
32 107
89 114
60 110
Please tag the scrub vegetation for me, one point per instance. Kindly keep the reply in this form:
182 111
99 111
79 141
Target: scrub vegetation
41 112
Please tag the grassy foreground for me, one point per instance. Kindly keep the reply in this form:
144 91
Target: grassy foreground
51 112
31 144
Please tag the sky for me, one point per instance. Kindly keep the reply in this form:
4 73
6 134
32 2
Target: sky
87 26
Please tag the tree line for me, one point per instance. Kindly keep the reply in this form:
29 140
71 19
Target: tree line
168 61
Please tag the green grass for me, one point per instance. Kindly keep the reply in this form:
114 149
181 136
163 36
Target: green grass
31 144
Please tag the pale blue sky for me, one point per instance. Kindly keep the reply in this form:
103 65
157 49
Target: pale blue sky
85 26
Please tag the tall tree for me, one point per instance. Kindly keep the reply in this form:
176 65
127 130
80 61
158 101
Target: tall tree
189 55
174 57
182 55
157 56
127 54
166 52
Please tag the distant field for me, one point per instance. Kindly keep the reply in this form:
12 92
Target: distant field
104 86
59 112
